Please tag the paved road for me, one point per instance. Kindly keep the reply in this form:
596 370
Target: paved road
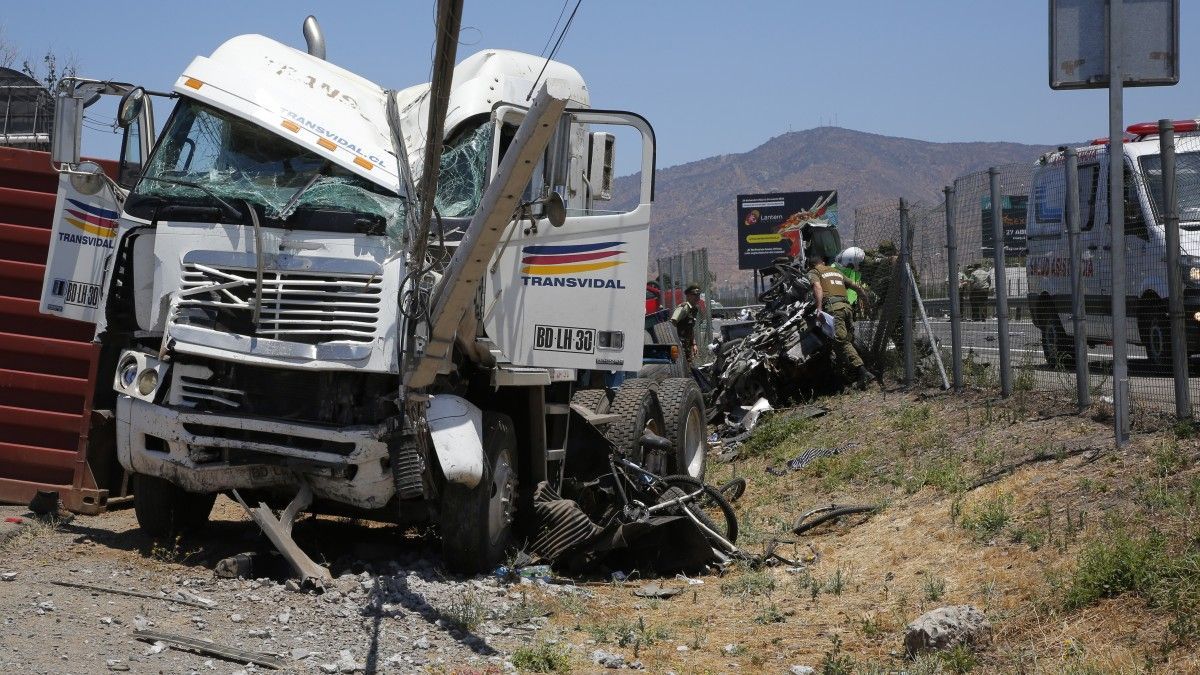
1150 387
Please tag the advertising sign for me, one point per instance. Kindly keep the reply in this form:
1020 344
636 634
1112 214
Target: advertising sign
769 225
1012 216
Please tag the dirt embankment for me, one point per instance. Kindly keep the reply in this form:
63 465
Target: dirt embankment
1084 559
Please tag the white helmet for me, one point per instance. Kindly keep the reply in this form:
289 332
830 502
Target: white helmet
851 257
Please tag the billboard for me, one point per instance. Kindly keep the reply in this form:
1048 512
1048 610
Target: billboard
769 225
1012 216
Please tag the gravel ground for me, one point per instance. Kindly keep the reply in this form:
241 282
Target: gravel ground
390 609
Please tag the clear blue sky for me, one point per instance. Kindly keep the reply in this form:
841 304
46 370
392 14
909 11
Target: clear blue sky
713 77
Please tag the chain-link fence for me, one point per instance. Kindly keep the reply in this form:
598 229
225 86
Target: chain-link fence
675 273
1012 276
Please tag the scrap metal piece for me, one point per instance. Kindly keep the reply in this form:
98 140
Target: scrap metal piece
201 603
655 590
279 531
212 649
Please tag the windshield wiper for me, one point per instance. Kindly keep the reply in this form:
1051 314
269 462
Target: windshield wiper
226 208
290 207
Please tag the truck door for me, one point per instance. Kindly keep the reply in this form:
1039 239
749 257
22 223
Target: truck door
86 226
573 295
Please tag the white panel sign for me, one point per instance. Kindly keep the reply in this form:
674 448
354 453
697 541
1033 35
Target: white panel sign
1079 43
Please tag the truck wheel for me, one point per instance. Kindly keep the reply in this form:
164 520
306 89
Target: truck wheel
665 333
163 508
683 412
1155 327
637 404
659 371
592 399
477 523
1057 346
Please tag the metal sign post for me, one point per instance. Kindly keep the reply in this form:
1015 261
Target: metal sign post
1138 47
1116 217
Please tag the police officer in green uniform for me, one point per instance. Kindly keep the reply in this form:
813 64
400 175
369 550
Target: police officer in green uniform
684 318
829 289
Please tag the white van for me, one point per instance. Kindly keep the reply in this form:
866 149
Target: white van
1048 263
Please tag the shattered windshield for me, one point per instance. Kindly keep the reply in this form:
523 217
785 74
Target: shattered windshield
463 172
223 156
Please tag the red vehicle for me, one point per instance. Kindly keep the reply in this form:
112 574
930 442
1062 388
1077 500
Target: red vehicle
655 300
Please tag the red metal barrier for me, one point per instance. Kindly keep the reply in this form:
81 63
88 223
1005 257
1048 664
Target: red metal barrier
47 364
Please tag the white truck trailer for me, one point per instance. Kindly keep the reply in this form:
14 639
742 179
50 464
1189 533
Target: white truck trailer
270 325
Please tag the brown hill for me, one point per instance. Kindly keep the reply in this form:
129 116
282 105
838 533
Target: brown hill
694 203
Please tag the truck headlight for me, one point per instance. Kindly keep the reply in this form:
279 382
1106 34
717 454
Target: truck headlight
139 375
147 382
1194 275
128 371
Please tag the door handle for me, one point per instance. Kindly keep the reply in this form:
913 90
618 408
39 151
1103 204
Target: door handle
1107 247
1093 247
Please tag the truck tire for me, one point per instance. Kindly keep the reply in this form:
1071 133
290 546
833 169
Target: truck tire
592 399
1057 346
659 371
683 412
477 523
665 333
164 509
637 404
1155 328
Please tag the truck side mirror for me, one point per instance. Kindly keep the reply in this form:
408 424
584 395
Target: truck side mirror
600 165
131 106
68 123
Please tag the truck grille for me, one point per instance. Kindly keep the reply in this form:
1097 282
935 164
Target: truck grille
296 306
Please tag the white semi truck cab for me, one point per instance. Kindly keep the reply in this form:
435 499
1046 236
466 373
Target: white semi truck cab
1048 263
267 327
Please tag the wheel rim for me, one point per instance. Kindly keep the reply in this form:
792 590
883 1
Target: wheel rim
1052 339
693 444
1157 344
502 503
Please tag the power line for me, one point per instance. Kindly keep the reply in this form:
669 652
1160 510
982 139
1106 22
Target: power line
561 35
556 22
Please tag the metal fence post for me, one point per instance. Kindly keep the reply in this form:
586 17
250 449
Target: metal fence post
952 291
705 283
1001 283
1179 356
1082 379
906 297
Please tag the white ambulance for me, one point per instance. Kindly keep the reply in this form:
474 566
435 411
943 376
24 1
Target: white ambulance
1048 263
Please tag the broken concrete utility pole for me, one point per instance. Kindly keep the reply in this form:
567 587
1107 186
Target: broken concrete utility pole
458 287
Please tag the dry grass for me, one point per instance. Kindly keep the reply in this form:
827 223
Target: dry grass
1009 548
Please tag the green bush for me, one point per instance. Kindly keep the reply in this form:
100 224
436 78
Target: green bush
989 518
774 431
1124 564
542 657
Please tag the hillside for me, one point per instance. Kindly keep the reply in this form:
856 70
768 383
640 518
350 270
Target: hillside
694 202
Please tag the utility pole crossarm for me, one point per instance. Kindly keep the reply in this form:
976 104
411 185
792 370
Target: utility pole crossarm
457 288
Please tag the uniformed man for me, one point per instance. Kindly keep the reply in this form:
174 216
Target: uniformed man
684 318
849 263
829 289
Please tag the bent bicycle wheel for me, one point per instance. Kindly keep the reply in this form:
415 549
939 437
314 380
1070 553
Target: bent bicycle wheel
710 507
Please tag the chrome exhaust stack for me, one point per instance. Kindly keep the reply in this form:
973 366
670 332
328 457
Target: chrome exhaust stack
313 37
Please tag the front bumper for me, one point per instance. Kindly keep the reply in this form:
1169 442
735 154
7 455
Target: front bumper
203 452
